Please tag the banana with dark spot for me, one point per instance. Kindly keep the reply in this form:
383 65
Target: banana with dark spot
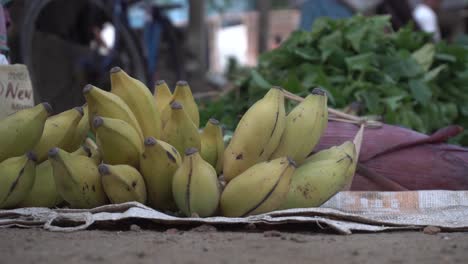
260 189
212 144
158 163
195 186
16 179
122 183
257 135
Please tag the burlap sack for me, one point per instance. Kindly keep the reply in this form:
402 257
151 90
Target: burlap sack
16 91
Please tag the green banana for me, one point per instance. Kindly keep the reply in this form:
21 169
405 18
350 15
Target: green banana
162 95
180 131
195 186
158 164
22 130
140 100
212 144
118 141
316 181
260 189
122 183
183 95
82 129
58 132
106 104
304 127
257 135
77 179
16 179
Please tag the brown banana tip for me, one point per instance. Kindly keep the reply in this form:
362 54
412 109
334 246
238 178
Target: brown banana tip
87 150
53 152
160 82
214 121
80 110
176 105
191 151
98 121
103 169
291 162
182 83
31 156
150 141
318 91
115 69
48 108
87 88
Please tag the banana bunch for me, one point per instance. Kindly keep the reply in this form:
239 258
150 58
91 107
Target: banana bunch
149 148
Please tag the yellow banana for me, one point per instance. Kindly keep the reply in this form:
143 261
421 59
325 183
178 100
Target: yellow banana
82 129
16 179
140 100
195 186
22 130
118 141
106 104
122 183
260 189
83 150
180 131
212 144
183 95
257 135
162 95
77 179
58 132
158 164
95 152
304 127
315 182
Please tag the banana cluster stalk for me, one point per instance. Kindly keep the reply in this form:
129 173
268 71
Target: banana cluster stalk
77 179
21 131
158 163
16 179
122 183
322 175
212 144
260 189
195 186
257 135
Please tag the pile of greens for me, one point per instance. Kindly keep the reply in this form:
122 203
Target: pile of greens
399 75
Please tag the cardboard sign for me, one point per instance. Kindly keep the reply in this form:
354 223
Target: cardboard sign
16 90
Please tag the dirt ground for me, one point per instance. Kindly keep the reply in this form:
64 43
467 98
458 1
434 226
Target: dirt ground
207 245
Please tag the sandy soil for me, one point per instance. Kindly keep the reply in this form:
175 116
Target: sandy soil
207 245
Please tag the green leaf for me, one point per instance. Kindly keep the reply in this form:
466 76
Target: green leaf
420 91
432 74
424 56
259 81
355 36
393 102
361 62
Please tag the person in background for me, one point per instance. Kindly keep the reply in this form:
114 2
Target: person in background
3 35
425 14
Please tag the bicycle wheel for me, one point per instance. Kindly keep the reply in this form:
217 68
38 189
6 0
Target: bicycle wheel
60 64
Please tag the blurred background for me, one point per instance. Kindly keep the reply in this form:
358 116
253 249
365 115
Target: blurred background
217 45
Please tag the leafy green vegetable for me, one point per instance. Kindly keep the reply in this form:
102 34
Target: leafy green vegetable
399 75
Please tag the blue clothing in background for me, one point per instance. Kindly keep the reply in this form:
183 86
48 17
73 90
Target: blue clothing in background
313 9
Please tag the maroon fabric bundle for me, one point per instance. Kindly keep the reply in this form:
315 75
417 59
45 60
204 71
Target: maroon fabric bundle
395 159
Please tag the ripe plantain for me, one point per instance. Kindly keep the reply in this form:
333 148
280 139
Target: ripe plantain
58 132
140 100
22 130
16 179
183 95
122 183
195 186
180 131
304 127
82 129
212 144
260 189
77 179
318 179
162 95
118 142
257 135
158 164
106 104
